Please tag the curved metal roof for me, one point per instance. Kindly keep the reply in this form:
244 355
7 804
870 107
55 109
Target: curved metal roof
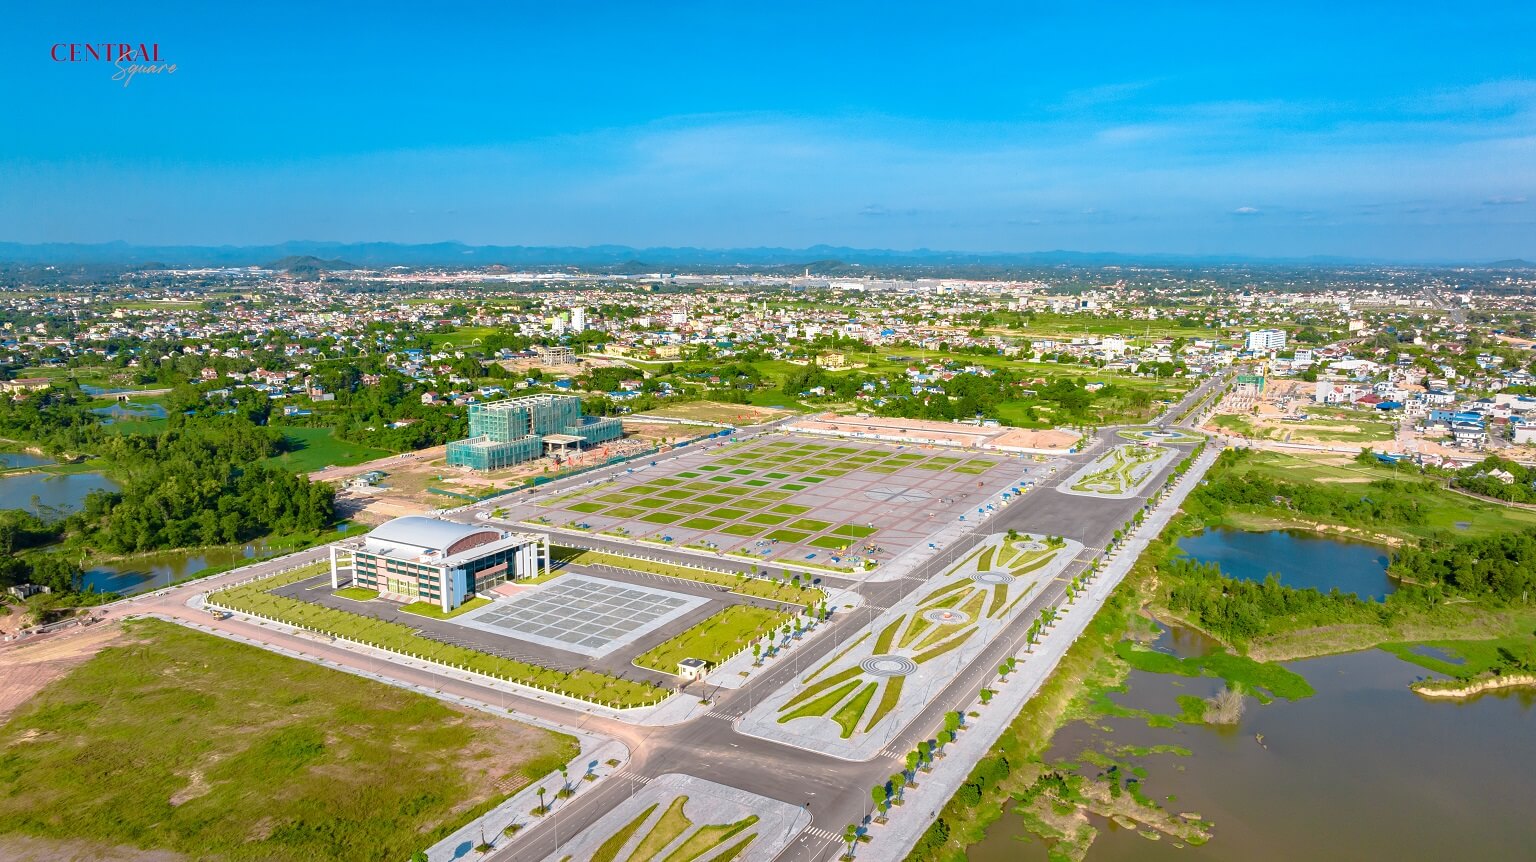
432 534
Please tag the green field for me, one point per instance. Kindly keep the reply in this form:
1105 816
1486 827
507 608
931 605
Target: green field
193 744
1444 511
317 448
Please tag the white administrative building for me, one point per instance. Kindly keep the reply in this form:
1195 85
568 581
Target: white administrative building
446 563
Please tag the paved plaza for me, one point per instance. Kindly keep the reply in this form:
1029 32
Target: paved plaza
863 697
808 501
580 613
707 820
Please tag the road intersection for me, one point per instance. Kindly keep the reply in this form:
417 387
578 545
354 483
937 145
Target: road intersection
707 742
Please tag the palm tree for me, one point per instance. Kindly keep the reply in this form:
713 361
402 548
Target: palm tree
543 809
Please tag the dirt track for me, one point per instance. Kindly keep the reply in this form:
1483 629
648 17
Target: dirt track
26 668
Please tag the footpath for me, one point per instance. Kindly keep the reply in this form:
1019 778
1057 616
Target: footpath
896 839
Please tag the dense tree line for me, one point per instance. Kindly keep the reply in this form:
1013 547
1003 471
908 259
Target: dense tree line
19 531
1239 610
202 485
1499 568
1480 478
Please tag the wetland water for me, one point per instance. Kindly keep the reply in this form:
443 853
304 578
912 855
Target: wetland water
1301 560
1363 769
64 493
153 571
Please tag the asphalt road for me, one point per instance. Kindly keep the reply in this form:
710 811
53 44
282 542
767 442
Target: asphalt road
834 791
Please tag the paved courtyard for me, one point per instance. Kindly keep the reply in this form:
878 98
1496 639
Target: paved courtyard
810 501
583 614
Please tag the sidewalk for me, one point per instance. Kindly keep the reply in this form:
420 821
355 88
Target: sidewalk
907 824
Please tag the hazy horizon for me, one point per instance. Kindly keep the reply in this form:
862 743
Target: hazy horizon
1135 130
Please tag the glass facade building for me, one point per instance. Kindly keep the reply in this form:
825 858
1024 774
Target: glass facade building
509 432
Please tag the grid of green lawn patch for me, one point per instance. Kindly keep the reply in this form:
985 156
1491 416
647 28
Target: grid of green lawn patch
700 504
768 519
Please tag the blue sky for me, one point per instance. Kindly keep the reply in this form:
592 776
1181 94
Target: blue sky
1383 130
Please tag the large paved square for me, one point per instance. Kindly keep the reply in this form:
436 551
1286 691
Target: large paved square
797 499
583 614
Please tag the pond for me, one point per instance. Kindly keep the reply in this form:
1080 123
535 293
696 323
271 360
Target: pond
1363 769
1301 560
12 460
56 495
153 571
130 410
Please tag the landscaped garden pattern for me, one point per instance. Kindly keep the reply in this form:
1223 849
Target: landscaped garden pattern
658 828
179 744
680 818
255 599
849 692
1119 471
811 502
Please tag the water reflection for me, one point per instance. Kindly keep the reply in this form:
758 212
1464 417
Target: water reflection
1301 560
1364 769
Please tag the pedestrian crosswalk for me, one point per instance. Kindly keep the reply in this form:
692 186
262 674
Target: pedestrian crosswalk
823 834
631 776
722 715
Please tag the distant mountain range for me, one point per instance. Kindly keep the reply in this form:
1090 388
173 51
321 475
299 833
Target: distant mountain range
310 255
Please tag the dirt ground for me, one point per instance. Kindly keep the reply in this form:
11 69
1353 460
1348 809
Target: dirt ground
27 667
404 489
22 848
712 411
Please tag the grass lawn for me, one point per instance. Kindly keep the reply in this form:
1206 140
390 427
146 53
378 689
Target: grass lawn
316 448
763 588
193 744
431 609
1443 510
715 639
359 594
